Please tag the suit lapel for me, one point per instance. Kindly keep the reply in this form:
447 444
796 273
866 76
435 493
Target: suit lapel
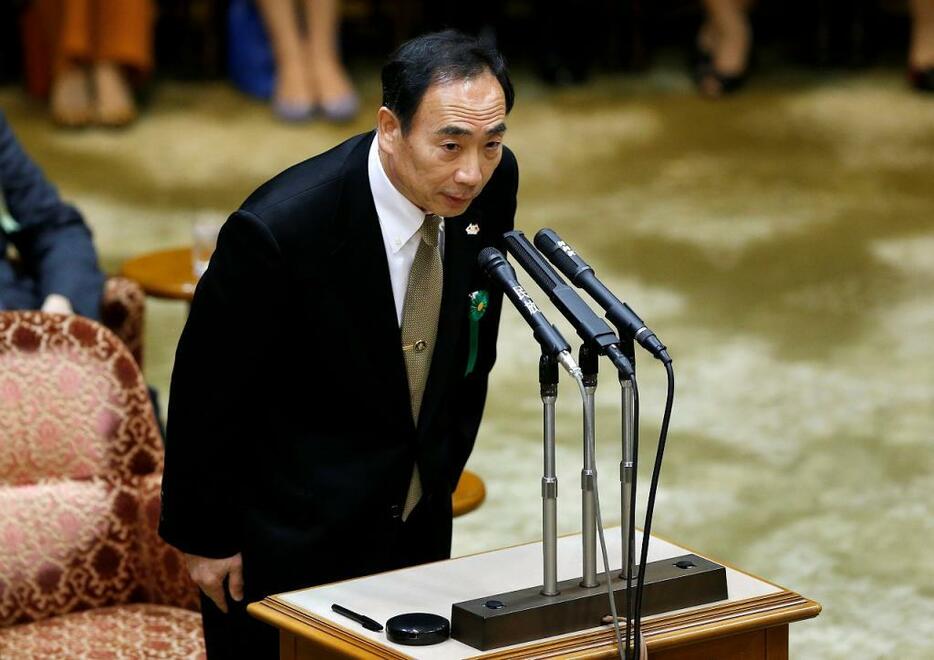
364 288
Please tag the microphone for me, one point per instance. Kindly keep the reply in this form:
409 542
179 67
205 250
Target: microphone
590 327
580 273
498 270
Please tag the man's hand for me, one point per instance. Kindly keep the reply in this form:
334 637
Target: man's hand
209 574
57 304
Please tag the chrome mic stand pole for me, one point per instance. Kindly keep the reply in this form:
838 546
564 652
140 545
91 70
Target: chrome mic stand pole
626 468
588 365
548 379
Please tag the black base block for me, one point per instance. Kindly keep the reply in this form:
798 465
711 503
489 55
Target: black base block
521 616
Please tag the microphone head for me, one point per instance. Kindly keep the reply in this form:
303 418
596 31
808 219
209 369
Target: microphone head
490 258
546 240
561 255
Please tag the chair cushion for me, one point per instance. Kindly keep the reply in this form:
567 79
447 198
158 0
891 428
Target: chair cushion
67 546
125 631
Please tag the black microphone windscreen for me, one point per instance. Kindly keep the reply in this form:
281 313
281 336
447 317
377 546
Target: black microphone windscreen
488 256
533 262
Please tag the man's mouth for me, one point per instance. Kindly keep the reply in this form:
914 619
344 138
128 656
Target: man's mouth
457 199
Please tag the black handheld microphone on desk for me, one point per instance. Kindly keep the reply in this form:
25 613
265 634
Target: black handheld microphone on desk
590 327
580 273
498 269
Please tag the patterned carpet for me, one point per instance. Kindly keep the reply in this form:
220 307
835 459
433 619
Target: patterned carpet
781 243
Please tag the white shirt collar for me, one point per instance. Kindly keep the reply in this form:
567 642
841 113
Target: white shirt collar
399 218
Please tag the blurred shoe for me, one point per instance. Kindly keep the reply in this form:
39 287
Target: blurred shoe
292 111
70 98
113 100
921 79
711 83
341 109
294 97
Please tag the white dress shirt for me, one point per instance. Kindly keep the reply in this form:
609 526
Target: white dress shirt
399 221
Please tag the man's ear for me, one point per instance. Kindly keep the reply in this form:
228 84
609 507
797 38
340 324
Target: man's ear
390 130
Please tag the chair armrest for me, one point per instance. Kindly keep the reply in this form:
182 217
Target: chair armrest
167 581
122 312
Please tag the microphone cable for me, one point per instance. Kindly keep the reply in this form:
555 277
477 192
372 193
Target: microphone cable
606 560
650 506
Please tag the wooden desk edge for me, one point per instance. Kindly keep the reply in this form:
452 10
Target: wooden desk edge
661 632
334 638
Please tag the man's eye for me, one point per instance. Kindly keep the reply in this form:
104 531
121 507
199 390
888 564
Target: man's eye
493 145
450 146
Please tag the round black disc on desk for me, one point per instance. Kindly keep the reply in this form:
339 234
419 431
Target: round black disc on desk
418 629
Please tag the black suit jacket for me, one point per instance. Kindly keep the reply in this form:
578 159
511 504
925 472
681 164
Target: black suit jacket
56 254
290 436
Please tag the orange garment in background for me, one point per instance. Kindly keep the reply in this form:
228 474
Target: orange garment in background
85 31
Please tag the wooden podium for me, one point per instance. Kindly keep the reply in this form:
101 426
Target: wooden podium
752 623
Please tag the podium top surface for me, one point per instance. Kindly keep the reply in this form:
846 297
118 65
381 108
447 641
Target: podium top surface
435 587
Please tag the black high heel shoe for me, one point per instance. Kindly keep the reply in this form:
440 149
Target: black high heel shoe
714 84
921 79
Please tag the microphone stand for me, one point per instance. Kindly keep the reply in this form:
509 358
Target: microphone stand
627 478
588 364
548 379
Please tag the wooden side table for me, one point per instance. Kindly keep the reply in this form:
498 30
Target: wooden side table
163 274
469 494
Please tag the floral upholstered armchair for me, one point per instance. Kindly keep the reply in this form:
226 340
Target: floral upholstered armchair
82 570
122 312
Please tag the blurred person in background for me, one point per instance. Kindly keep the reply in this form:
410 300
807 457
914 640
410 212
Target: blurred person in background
310 76
56 267
47 257
724 43
84 54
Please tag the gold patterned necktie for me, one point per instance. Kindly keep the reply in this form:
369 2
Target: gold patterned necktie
420 327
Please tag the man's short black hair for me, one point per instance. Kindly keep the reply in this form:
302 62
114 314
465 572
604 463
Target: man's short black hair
436 58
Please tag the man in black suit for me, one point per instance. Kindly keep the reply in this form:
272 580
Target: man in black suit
300 448
56 266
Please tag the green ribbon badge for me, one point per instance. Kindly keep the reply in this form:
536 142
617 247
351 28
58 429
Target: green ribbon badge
479 301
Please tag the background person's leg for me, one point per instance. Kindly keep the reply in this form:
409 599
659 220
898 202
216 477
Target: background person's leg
66 24
123 37
921 51
726 38
338 99
294 98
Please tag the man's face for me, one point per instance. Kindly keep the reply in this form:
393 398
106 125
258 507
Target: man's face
452 147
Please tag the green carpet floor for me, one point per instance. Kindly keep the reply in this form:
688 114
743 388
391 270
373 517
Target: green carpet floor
780 242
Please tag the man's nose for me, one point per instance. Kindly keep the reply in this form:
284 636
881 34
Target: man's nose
468 173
